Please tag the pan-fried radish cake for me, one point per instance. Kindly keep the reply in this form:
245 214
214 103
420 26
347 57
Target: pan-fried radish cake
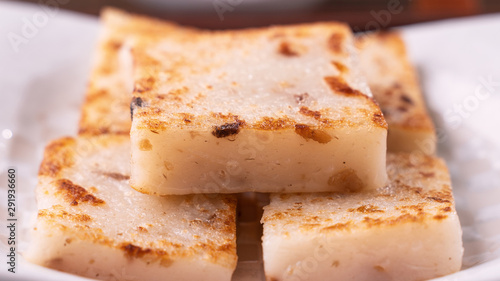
92 223
106 108
408 230
278 109
394 84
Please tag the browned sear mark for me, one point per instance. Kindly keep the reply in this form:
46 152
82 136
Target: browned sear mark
286 49
56 157
341 67
142 229
117 176
406 99
378 118
338 85
316 135
58 214
311 113
374 222
335 42
366 209
337 226
446 209
440 217
114 45
186 117
144 85
270 123
379 268
76 194
227 129
132 251
427 175
439 200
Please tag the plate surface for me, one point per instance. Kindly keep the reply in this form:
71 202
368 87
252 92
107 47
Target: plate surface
45 59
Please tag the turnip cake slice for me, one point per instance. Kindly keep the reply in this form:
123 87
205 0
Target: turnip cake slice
279 109
394 83
91 223
408 230
106 109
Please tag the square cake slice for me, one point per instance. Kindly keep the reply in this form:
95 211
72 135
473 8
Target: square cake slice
408 230
278 109
106 109
91 223
394 84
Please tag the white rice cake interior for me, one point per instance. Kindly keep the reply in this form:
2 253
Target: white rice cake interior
394 84
408 230
91 223
279 109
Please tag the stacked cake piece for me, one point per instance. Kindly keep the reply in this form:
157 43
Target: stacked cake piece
280 109
92 223
393 81
408 230
283 110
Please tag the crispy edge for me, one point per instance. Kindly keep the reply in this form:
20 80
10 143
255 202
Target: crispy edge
416 119
58 155
423 168
62 154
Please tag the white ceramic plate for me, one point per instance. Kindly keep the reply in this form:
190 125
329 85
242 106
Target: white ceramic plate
44 65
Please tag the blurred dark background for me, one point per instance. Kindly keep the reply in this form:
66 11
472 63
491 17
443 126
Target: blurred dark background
220 14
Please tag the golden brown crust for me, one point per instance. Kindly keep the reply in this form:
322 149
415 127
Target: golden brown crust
311 113
341 67
76 194
97 118
57 212
106 101
106 108
76 226
154 123
338 85
166 86
68 216
335 42
393 81
56 157
287 49
419 189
